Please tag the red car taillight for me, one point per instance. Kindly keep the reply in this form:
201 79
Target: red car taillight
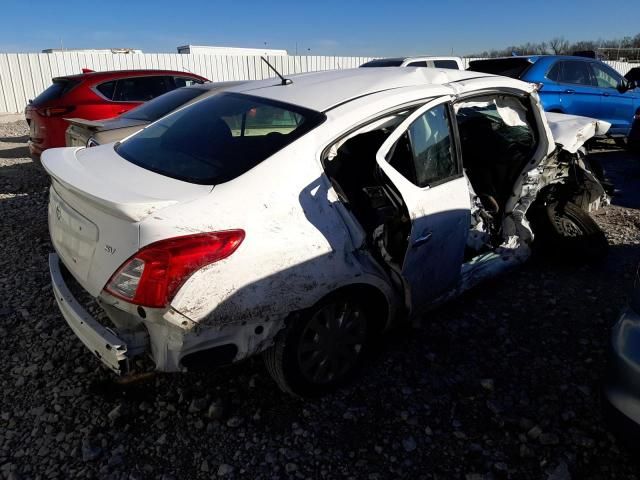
55 111
153 275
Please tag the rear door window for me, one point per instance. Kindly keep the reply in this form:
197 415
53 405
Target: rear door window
418 64
219 138
425 154
575 73
141 89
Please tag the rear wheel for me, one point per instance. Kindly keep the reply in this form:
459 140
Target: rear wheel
322 348
567 231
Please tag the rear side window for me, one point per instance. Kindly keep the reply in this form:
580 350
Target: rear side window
141 89
219 138
418 64
185 81
555 73
107 89
446 64
162 105
575 73
58 89
514 67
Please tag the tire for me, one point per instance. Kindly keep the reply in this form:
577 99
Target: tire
322 348
566 231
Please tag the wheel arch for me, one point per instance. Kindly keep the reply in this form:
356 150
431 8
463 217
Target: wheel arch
376 301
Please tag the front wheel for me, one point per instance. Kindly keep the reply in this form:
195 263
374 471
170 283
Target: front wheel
566 230
322 348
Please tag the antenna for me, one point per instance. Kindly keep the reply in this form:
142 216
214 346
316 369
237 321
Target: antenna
285 81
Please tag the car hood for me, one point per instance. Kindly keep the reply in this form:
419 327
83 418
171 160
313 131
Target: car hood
572 131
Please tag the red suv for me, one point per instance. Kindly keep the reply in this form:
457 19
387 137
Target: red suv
94 96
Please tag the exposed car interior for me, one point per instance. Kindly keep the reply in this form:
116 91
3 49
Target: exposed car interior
497 140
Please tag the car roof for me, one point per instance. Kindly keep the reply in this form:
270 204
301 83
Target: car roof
123 73
535 58
322 91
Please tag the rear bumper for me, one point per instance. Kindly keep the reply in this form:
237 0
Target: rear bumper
101 341
622 385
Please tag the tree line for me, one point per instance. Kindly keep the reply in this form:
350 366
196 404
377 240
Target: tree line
561 46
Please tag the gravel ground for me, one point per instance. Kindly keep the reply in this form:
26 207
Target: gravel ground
502 383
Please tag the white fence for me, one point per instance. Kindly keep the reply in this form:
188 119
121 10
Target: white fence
24 75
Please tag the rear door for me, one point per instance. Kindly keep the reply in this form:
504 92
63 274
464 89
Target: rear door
577 90
615 107
131 92
421 159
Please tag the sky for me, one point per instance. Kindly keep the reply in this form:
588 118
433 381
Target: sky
320 27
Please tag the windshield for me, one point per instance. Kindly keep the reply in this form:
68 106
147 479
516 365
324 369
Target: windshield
59 87
160 106
219 138
384 62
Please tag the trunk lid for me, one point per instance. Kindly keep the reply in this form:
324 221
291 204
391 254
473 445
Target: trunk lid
97 200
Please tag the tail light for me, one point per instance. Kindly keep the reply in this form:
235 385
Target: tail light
55 111
152 276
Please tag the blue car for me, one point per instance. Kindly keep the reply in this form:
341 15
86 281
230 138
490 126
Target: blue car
575 85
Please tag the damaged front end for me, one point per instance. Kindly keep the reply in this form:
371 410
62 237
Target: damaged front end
557 192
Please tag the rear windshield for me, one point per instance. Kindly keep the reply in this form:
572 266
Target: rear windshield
508 67
219 138
160 106
446 64
59 87
384 62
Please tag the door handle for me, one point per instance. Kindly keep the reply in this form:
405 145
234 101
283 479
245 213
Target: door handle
569 90
426 236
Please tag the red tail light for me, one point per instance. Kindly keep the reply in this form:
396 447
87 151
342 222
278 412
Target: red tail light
152 276
55 111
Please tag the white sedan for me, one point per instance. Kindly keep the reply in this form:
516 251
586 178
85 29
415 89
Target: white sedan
303 218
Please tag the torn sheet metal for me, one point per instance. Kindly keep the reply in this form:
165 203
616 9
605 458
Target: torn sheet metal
572 131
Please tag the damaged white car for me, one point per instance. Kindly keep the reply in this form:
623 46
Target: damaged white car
302 218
